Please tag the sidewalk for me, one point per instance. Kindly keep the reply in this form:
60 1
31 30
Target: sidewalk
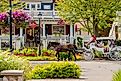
92 70
58 80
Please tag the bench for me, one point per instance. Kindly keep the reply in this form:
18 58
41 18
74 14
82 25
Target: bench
12 75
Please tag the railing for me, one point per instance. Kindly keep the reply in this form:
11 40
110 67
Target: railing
17 41
45 14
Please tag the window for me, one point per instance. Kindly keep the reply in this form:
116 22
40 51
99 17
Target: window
27 6
33 6
58 29
38 6
47 6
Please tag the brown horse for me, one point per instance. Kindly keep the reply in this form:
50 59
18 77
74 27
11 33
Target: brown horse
66 48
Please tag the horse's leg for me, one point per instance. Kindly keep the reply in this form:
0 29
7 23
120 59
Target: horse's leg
57 55
74 54
69 55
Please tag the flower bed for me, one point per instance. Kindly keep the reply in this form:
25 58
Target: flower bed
47 55
26 52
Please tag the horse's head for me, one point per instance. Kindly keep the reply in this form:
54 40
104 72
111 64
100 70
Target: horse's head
53 45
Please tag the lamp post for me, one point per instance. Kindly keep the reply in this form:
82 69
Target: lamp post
10 24
39 35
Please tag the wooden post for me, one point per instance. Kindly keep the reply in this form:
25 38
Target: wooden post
71 33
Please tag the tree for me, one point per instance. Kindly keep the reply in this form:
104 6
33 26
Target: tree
91 14
16 4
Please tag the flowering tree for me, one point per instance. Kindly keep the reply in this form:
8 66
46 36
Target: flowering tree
20 19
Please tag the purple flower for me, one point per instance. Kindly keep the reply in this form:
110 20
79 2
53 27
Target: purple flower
20 16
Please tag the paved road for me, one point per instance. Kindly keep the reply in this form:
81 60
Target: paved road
92 70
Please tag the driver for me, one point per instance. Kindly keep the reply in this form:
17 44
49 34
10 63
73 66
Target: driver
92 39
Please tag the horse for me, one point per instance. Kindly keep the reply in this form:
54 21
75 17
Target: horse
71 48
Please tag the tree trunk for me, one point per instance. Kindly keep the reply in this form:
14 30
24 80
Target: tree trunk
95 26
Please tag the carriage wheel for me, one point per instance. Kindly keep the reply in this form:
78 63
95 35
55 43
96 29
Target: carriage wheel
88 56
115 55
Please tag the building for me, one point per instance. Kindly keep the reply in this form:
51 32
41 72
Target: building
53 28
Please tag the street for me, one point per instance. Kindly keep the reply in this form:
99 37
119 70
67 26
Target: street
100 70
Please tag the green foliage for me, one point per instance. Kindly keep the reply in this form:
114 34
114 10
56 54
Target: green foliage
118 42
98 53
16 4
65 55
56 70
14 63
79 41
93 13
117 76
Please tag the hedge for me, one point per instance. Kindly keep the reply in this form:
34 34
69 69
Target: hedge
56 70
117 76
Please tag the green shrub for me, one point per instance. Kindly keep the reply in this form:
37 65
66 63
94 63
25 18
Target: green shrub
46 52
117 76
65 55
56 70
98 53
118 42
14 63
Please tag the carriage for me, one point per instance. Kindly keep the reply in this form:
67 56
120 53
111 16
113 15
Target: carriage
105 45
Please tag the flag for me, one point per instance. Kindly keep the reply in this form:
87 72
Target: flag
61 22
76 28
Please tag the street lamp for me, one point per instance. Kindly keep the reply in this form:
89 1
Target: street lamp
39 35
10 15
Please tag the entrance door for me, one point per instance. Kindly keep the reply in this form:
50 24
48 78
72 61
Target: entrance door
32 37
